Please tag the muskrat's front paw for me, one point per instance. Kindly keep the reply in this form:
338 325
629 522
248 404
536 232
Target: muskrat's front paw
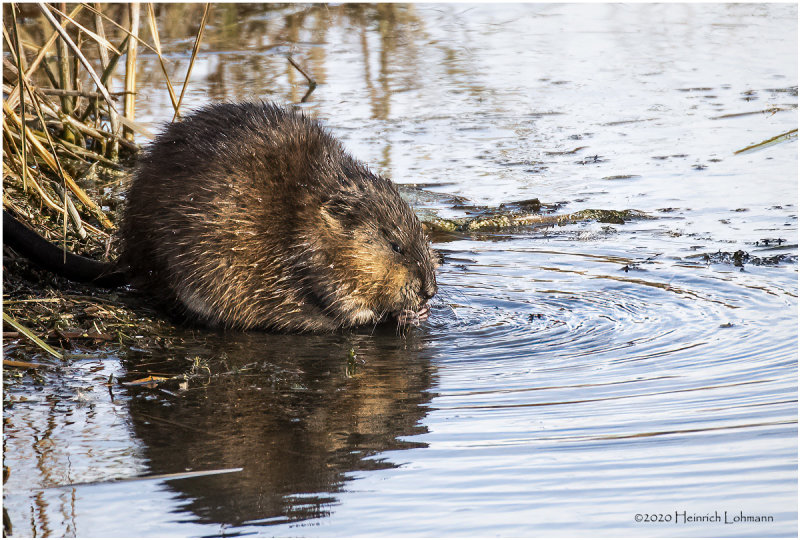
414 318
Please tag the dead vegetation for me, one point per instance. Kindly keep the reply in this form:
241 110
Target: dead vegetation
66 137
67 143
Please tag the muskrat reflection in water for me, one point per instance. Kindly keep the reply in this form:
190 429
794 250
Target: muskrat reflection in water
253 216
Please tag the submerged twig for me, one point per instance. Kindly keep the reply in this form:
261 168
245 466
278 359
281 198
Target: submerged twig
169 476
21 364
312 84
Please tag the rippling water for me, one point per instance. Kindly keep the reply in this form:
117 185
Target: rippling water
570 378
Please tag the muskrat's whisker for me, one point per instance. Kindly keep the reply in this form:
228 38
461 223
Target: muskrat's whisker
447 293
454 312
447 300
377 321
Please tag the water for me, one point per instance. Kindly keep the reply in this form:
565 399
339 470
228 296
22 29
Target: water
570 378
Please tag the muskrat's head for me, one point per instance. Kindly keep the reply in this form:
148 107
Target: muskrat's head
376 255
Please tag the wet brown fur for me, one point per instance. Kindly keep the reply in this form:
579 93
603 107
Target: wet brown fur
252 216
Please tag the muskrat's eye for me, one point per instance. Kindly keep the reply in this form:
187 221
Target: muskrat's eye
396 248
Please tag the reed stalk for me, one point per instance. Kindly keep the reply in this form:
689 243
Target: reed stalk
20 56
112 148
196 48
130 68
64 79
151 16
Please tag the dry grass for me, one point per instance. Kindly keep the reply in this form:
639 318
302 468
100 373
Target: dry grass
64 132
67 139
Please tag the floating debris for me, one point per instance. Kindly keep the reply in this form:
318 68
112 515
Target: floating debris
740 257
148 382
566 152
770 111
502 221
783 137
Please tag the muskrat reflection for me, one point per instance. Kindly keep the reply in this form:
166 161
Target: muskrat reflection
298 423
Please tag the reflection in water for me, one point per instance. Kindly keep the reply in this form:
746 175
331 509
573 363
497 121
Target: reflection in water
248 45
299 415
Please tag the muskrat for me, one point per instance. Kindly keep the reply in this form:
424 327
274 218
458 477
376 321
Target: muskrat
250 215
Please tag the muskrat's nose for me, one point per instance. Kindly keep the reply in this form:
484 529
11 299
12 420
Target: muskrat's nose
429 290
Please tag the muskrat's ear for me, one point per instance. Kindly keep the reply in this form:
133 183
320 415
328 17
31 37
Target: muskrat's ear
337 212
337 207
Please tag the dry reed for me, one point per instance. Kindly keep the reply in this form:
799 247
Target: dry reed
61 123
65 135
